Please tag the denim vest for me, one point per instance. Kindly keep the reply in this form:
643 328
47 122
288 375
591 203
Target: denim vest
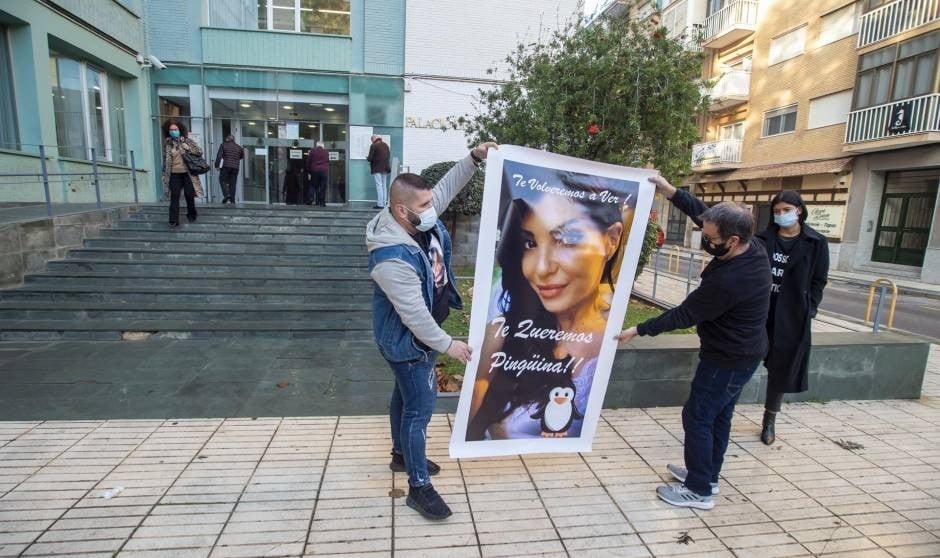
395 340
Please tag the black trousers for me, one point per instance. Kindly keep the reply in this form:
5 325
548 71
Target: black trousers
180 182
318 181
774 400
228 177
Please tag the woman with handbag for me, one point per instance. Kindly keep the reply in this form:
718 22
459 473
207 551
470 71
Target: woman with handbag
179 154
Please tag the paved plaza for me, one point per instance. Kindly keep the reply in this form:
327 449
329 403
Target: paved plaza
852 479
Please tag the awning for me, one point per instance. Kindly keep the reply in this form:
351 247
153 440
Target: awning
826 166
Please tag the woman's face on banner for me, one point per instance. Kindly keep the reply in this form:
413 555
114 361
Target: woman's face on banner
564 253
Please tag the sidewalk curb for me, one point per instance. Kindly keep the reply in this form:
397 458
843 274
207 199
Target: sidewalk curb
902 289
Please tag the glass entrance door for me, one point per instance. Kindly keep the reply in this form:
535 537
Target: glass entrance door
907 209
255 181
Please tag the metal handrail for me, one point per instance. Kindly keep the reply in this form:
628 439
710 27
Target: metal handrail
895 18
883 284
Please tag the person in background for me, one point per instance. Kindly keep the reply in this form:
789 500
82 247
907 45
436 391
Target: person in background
799 263
729 308
228 161
176 175
318 166
414 290
379 161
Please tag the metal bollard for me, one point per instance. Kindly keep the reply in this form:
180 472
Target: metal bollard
688 279
655 272
882 291
45 178
94 170
134 177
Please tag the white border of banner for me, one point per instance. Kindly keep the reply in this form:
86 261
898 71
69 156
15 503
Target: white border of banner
482 287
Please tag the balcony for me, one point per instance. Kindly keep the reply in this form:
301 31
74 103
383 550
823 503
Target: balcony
896 18
731 90
730 24
717 155
904 123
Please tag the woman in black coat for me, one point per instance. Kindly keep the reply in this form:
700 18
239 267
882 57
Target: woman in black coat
799 262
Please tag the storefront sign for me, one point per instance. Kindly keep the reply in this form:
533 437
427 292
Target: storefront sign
826 219
440 123
334 155
261 151
570 235
296 154
900 122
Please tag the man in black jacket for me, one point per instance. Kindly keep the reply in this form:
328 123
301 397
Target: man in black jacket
228 160
729 309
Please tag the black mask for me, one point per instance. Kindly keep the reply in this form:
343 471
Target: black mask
716 250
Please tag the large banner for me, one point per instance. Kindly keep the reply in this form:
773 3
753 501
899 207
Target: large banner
559 242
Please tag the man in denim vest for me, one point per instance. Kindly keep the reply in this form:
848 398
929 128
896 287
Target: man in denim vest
409 261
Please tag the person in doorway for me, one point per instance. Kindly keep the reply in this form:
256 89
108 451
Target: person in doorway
729 308
410 265
379 161
228 160
318 167
176 176
799 264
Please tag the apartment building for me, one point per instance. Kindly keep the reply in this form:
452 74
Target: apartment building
802 94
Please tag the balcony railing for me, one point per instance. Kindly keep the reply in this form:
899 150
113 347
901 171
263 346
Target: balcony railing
890 120
896 18
717 154
731 89
735 21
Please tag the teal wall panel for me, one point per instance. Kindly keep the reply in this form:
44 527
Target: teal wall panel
273 49
172 28
384 37
361 184
113 18
376 101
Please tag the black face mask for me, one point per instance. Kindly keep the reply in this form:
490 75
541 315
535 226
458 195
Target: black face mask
714 250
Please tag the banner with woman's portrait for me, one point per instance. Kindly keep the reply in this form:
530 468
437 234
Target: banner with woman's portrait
559 242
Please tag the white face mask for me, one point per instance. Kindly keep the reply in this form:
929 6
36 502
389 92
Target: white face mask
426 219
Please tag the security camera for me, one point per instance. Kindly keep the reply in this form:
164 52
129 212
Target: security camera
155 62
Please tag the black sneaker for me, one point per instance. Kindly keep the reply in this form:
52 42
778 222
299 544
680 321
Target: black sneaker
191 219
174 225
426 501
398 465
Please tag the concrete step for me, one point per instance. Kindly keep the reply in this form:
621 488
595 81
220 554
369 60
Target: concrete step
200 226
310 272
68 290
102 330
357 316
276 211
891 271
184 245
200 282
221 235
221 258
239 218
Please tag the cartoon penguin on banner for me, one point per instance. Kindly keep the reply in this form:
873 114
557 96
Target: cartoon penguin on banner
558 412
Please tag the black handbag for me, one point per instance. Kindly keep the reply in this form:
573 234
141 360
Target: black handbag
195 163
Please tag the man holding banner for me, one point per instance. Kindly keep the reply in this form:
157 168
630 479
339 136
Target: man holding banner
409 261
729 309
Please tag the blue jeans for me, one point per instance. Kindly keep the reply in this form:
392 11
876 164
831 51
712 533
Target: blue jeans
409 413
381 188
706 419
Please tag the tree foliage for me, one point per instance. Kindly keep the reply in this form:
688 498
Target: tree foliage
470 200
616 91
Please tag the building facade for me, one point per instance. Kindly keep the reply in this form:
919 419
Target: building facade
453 49
795 101
280 75
70 82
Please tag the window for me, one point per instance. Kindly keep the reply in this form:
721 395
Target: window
780 121
898 72
329 17
9 136
829 109
89 110
732 131
838 24
788 45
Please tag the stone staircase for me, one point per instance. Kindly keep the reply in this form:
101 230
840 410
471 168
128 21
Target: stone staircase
284 272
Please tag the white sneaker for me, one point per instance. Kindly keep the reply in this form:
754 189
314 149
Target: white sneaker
678 495
679 473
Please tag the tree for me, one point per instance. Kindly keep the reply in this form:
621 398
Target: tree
616 91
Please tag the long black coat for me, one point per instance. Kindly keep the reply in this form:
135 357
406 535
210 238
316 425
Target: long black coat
798 300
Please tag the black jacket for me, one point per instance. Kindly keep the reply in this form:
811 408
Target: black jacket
729 307
230 155
379 157
801 292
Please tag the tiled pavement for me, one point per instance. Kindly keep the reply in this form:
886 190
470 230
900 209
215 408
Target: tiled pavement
850 479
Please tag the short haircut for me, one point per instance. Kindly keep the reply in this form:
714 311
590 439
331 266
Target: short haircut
320 144
792 198
406 184
731 219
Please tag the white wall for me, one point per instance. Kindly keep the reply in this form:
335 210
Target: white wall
449 46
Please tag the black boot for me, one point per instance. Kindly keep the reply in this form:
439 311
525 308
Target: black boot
398 465
767 434
426 501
